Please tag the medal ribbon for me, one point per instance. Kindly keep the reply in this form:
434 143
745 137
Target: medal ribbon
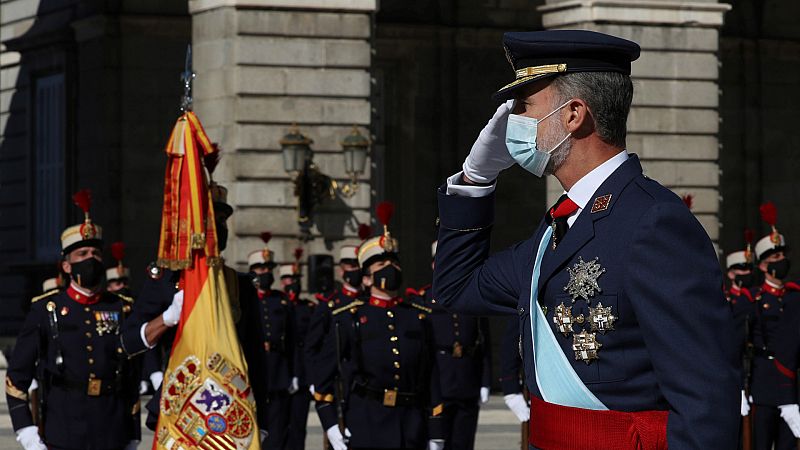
557 380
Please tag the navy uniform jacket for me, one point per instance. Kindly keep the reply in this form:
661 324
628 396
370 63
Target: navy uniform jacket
462 347
78 413
670 349
274 339
743 306
775 340
510 359
302 311
382 348
320 324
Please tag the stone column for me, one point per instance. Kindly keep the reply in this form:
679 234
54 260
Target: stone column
674 121
261 66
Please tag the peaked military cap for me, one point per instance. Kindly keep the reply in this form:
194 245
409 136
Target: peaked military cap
535 55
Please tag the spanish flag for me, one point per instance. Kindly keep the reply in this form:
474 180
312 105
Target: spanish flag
206 400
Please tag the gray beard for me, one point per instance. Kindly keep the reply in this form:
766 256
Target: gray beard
559 155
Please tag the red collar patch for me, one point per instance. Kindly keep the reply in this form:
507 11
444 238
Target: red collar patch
383 303
777 292
83 299
348 293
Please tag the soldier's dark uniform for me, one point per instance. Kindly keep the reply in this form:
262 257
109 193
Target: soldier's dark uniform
464 365
510 360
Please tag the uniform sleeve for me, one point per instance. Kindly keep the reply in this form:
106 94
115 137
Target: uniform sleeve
787 353
327 373
486 333
314 336
22 369
673 279
149 304
510 361
465 278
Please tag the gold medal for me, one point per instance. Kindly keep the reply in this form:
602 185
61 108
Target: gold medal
585 346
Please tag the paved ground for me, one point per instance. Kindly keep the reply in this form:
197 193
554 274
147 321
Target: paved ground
497 428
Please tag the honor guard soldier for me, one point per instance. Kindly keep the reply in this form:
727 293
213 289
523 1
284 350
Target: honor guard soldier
618 291
776 419
464 365
89 388
299 392
275 339
383 351
511 372
118 277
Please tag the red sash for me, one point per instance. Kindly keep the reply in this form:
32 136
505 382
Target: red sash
566 428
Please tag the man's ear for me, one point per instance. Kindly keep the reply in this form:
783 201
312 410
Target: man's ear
66 266
578 120
762 266
366 280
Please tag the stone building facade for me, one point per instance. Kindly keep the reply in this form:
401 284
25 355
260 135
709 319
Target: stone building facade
90 90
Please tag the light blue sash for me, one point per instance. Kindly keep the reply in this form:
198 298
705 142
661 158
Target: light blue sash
558 383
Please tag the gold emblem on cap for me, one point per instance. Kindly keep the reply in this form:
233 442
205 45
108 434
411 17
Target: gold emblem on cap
541 70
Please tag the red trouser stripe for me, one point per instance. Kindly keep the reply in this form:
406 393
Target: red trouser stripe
566 428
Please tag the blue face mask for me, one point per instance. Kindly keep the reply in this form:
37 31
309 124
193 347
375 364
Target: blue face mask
521 142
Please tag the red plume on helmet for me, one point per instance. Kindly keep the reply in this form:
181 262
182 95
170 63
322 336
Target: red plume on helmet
769 214
688 200
384 211
266 236
298 253
83 199
118 252
364 231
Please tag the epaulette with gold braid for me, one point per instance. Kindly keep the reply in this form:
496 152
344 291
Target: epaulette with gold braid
350 306
124 298
418 306
45 295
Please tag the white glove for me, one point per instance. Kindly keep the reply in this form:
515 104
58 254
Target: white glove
34 385
294 386
28 437
436 444
517 404
791 415
489 154
311 389
156 378
335 438
142 387
745 405
173 314
484 395
132 445
263 435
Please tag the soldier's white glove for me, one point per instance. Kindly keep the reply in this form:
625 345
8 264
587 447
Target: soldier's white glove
28 437
484 395
263 435
132 445
156 378
436 444
142 387
294 385
791 415
173 314
311 390
745 405
517 404
34 385
489 155
335 438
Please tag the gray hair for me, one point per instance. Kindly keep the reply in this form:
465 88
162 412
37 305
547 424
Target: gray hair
608 95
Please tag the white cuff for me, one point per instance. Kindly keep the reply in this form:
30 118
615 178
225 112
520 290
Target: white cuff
144 339
455 186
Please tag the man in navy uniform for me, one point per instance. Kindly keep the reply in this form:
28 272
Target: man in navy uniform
299 392
274 337
89 388
618 292
384 350
464 366
776 418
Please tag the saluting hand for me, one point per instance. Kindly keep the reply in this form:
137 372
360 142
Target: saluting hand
489 155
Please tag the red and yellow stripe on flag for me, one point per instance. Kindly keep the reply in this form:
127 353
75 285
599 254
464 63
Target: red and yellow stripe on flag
206 400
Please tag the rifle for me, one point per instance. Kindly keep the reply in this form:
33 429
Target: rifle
525 425
747 360
339 387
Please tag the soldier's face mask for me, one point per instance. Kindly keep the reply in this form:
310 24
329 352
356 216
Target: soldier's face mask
779 269
88 273
353 277
263 281
388 278
521 142
745 280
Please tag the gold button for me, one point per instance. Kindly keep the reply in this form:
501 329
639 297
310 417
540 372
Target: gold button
389 313
395 351
391 327
119 350
455 324
89 348
393 338
87 322
77 296
88 334
86 308
396 364
92 375
456 333
455 316
397 377
91 360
